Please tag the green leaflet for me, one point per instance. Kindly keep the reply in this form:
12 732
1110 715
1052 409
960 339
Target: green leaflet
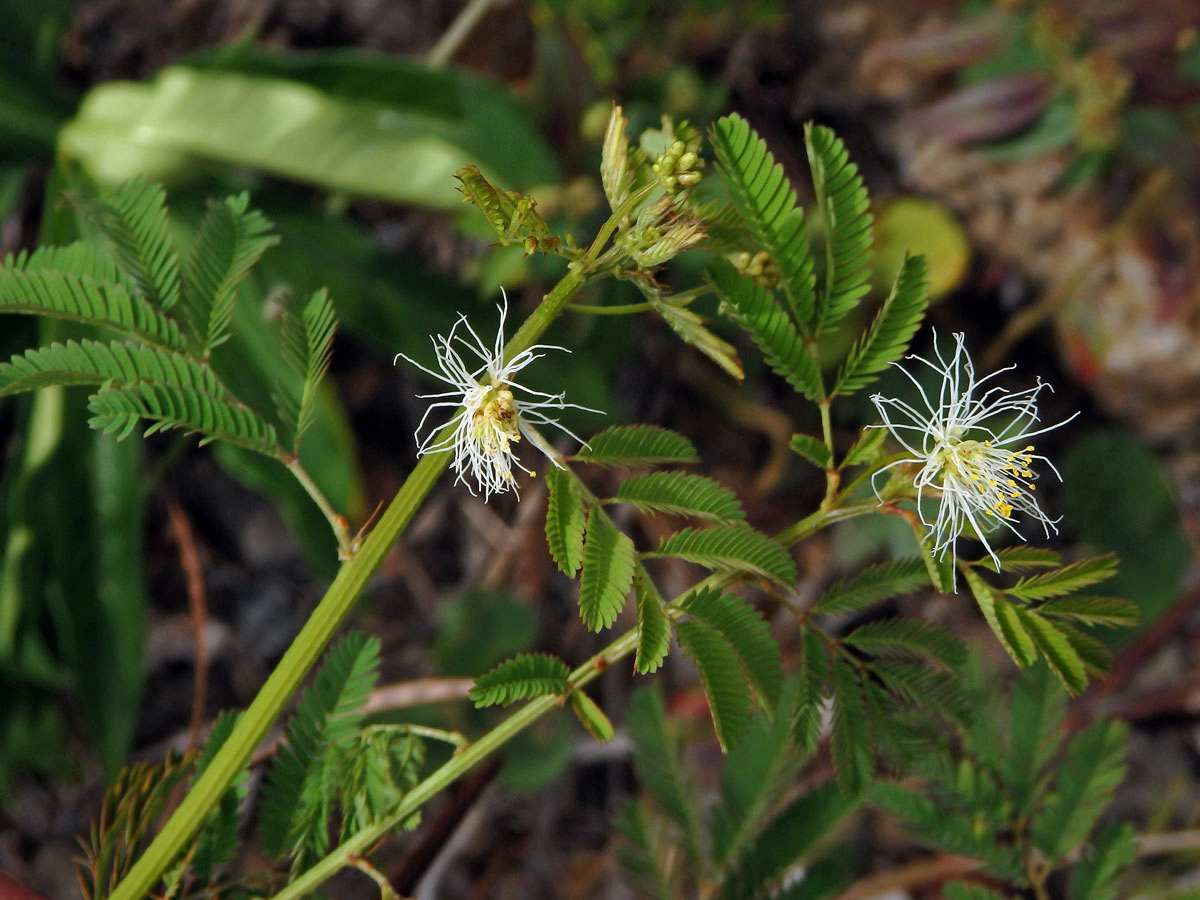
909 638
592 717
92 362
736 547
755 310
117 410
748 634
1003 619
653 626
1096 875
850 742
78 258
525 675
638 445
720 671
565 514
640 853
893 327
1065 580
307 349
767 204
843 202
811 448
681 494
875 583
960 890
608 563
1056 649
230 240
1037 711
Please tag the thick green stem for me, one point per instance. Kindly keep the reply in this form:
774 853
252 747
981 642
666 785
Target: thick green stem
349 584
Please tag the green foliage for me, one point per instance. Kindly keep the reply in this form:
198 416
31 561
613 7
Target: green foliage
894 326
302 785
842 199
754 309
1066 580
520 678
849 735
591 717
873 584
307 350
721 673
766 202
92 362
1099 870
608 564
638 445
961 890
731 547
1037 710
653 626
747 633
909 638
218 841
565 515
513 216
811 448
681 494
867 449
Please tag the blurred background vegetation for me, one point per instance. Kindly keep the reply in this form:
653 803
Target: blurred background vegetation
1043 154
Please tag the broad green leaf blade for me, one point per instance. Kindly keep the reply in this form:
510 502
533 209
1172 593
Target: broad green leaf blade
767 204
873 584
721 674
44 292
565 516
909 639
843 202
748 634
638 445
811 448
653 626
656 761
1065 580
608 563
133 219
893 327
731 547
592 717
230 240
756 311
681 494
117 411
91 362
524 676
1083 786
1056 649
1004 621
850 742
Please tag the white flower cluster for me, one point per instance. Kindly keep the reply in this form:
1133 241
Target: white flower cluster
491 418
973 448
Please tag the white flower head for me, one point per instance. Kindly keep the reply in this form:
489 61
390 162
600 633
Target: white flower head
494 411
973 447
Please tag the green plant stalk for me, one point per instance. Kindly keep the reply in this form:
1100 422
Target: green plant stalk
336 522
351 581
455 767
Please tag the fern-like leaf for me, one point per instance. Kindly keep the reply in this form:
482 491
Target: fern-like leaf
721 674
117 410
653 626
849 741
1096 875
808 714
1056 649
638 445
909 638
301 785
681 494
63 295
1038 703
307 349
1065 580
843 202
608 563
565 516
1004 621
230 240
639 854
1095 765
1091 610
767 204
80 258
811 448
873 584
867 449
895 323
134 222
1021 558
748 634
736 547
524 676
92 362
761 316
218 841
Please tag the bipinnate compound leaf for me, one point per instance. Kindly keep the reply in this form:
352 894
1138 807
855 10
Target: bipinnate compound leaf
640 854
842 200
731 547
786 841
565 516
308 330
1004 621
230 240
134 221
638 445
909 639
808 712
92 362
721 674
873 584
811 448
117 410
608 563
893 327
80 258
653 626
299 786
681 494
1056 649
1038 703
656 762
758 313
1066 580
849 739
1082 787
1090 610
748 634
592 717
766 202
1097 874
524 676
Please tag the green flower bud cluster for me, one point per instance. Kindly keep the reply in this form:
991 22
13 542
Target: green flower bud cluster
760 267
678 166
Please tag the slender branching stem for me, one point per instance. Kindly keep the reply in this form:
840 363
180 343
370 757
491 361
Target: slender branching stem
336 521
624 309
